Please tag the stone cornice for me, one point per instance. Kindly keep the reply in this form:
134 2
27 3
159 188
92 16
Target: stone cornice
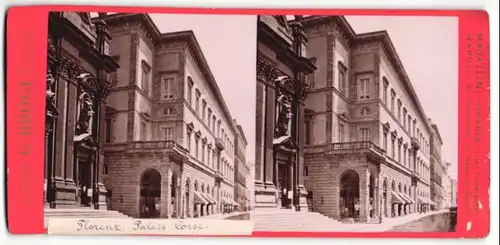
346 33
143 22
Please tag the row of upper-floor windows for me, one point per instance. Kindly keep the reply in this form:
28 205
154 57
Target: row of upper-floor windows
342 132
206 153
363 82
202 109
402 153
403 116
207 116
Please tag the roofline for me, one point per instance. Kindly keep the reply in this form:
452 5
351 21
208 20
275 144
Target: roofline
242 133
192 42
386 40
435 127
134 17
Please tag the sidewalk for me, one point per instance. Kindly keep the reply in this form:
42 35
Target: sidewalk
387 223
221 216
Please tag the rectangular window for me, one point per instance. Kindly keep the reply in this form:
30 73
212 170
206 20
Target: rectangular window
306 171
203 108
404 118
203 153
308 132
409 126
196 148
384 94
213 124
385 141
404 156
145 80
197 105
168 133
365 134
167 88
393 148
399 110
363 88
208 156
188 141
144 131
190 92
108 130
342 82
393 98
342 78
399 153
341 132
209 117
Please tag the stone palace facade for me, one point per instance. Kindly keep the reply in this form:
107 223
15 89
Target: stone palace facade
170 141
367 150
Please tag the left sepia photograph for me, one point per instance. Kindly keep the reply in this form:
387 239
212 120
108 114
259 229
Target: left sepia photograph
149 115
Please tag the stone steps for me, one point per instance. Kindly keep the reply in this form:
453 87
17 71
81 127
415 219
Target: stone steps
286 220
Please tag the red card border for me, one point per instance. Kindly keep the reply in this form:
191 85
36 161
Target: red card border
25 171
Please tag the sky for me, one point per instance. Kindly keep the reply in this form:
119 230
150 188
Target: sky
428 49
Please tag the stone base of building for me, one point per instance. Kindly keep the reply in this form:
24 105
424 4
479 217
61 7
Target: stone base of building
265 195
303 199
67 196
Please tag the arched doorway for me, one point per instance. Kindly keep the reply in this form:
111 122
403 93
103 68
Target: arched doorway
384 194
203 208
210 205
371 194
195 205
187 213
400 205
150 194
349 194
173 195
393 204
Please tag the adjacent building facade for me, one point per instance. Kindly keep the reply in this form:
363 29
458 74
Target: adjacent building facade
170 139
282 67
438 170
450 189
367 153
79 76
242 171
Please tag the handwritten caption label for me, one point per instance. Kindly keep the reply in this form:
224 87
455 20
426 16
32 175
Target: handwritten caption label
103 226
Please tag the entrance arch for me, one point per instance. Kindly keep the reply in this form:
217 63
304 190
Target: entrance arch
371 194
175 195
150 194
186 205
349 194
384 204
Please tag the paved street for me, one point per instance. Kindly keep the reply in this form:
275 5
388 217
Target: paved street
437 221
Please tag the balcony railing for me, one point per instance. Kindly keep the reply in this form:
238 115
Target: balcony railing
415 144
219 176
415 175
219 144
353 146
356 147
147 146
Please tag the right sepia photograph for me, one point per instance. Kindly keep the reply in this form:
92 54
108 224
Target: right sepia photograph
356 123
